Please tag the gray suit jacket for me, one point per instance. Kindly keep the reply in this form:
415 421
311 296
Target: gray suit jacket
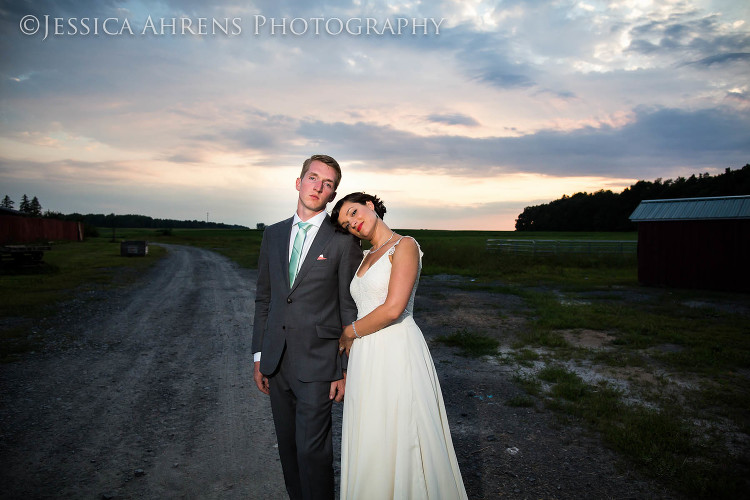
307 317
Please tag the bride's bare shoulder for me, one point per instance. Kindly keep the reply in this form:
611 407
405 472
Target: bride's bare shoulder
406 246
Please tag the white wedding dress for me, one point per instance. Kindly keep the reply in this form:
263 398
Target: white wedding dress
396 443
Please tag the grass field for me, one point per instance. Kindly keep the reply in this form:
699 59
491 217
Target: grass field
464 253
29 295
685 417
447 252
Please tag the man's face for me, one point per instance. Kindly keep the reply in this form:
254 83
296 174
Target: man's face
316 187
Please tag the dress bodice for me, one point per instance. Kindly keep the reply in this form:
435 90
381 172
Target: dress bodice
371 290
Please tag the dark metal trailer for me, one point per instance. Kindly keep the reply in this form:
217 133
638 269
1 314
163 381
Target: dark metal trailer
23 254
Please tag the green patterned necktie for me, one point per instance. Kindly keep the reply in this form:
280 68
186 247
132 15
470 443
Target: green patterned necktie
299 242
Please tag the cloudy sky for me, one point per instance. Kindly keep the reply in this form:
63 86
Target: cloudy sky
457 113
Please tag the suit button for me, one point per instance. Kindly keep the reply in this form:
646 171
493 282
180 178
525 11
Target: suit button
288 301
283 327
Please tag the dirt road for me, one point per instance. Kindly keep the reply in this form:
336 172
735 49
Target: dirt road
147 392
151 396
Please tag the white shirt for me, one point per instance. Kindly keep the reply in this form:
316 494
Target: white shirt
316 222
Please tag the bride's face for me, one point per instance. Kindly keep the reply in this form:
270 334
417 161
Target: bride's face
358 219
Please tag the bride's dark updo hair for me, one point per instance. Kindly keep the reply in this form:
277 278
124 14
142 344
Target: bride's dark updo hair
359 198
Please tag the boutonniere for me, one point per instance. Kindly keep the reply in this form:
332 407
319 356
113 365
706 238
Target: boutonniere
320 257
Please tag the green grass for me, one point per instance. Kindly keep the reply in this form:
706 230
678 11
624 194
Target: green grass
526 357
471 343
464 253
522 401
662 441
528 383
567 385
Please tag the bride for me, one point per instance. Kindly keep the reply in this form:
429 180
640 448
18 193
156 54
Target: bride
396 442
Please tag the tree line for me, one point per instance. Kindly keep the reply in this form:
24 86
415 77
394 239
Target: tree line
34 208
608 211
144 221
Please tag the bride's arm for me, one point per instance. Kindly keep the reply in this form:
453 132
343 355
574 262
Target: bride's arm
405 266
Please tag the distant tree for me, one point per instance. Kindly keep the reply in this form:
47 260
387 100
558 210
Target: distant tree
112 222
24 206
7 202
608 211
35 208
260 226
49 214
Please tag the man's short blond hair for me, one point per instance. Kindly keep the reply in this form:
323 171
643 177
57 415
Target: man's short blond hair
328 161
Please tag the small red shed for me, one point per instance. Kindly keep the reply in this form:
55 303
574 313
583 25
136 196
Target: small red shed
694 242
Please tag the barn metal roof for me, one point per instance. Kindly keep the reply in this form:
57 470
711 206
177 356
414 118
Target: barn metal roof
9 211
719 207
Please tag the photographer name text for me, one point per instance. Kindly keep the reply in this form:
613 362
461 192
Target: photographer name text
50 26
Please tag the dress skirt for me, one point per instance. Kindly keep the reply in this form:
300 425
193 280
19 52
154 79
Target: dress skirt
396 442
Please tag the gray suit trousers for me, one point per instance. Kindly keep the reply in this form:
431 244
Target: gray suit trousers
302 417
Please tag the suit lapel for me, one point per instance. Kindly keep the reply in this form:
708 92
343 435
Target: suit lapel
316 249
282 244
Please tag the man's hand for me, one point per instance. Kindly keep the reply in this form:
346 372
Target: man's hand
337 389
260 380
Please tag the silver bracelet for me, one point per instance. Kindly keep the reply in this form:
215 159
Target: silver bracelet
355 330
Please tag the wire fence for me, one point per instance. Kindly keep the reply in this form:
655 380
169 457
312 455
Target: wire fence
554 247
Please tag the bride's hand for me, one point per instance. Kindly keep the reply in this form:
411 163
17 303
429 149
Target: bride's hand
346 340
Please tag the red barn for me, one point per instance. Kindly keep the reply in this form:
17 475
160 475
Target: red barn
16 228
694 242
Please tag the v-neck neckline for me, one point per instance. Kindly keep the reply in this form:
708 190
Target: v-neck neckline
368 269
376 260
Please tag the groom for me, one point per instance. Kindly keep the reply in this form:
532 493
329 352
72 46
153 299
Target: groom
302 302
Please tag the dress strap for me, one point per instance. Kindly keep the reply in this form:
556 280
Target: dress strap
393 248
